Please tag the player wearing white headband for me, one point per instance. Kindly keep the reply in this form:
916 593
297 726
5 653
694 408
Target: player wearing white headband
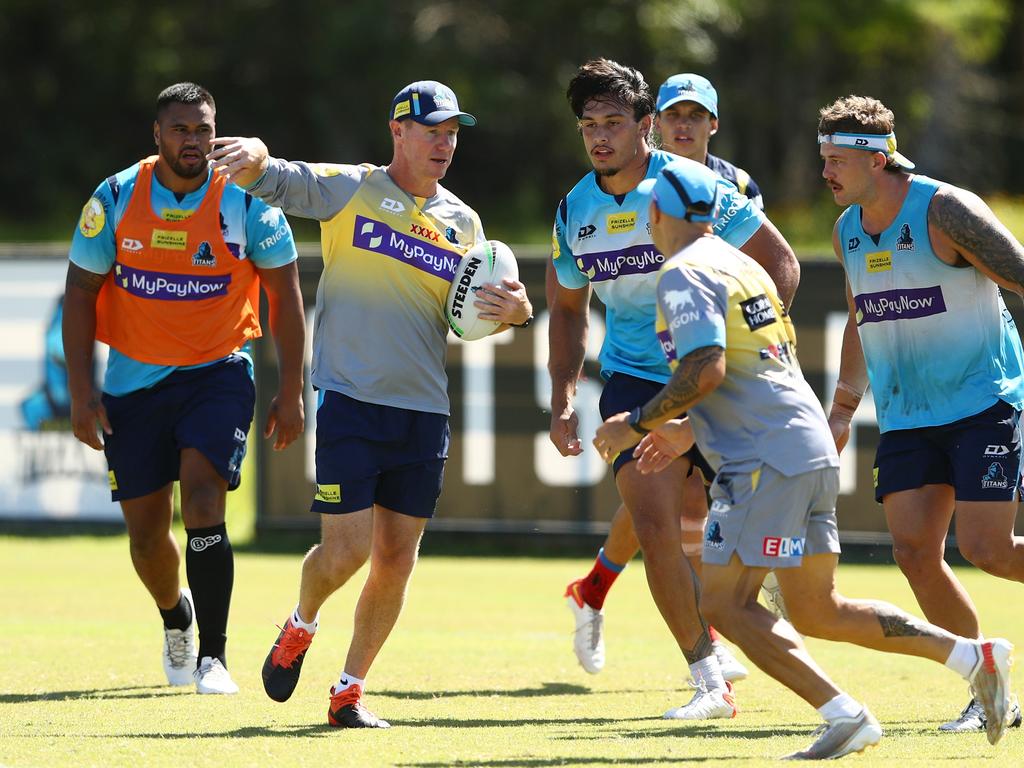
929 332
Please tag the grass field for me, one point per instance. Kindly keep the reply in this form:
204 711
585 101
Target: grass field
479 672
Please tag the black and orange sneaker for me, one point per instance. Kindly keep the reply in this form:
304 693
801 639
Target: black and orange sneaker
284 662
347 711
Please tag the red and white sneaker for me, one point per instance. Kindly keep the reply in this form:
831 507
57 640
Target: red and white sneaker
718 703
588 639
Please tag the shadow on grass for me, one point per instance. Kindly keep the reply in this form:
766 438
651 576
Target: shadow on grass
126 692
545 689
505 722
538 762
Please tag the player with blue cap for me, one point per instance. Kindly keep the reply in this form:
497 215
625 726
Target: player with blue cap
685 190
687 118
731 347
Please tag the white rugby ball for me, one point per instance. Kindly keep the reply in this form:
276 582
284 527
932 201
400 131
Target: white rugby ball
488 262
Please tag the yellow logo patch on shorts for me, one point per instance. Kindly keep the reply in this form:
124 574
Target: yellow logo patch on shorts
328 492
112 479
874 476
879 261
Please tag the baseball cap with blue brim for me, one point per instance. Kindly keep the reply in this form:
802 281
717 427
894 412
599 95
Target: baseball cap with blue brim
428 102
688 87
684 189
870 142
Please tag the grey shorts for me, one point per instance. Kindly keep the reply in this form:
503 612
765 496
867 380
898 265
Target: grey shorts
770 520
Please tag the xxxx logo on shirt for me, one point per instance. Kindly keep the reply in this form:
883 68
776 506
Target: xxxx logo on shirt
378 237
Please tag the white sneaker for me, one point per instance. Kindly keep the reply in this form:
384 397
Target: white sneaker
212 677
731 668
990 681
772 596
706 705
588 640
180 649
973 718
841 736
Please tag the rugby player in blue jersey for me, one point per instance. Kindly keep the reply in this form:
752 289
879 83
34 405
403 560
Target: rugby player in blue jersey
602 239
686 119
732 349
929 331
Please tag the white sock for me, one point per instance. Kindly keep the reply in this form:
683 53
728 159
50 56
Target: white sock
346 680
964 657
708 671
310 627
842 705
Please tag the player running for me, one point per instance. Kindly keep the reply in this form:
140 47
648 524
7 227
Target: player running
602 239
686 119
928 329
732 348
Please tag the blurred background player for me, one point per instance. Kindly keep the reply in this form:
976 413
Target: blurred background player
601 239
687 117
166 267
929 331
732 348
379 362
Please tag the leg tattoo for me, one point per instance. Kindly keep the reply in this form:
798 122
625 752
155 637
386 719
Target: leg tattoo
896 623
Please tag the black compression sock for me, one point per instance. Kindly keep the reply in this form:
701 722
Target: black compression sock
178 617
210 565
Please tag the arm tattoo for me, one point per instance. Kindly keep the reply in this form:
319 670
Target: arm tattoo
88 281
896 623
683 389
974 228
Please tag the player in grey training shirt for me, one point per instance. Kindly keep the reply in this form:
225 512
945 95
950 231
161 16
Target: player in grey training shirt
392 237
732 347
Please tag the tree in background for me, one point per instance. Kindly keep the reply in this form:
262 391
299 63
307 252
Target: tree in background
315 79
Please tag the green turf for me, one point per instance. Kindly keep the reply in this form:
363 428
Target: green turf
479 672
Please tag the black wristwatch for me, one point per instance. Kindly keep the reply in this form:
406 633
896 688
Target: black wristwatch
634 422
524 324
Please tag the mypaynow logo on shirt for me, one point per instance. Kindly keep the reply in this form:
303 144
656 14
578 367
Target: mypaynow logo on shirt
899 304
168 286
607 265
375 236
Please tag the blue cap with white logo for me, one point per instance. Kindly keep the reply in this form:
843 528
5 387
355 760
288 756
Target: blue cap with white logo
685 190
688 87
428 102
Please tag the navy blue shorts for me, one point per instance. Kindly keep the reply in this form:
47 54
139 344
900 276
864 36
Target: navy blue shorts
370 454
209 409
623 392
979 456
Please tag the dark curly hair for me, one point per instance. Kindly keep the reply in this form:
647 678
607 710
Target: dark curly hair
607 80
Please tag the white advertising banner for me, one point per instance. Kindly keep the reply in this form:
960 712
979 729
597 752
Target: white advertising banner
45 473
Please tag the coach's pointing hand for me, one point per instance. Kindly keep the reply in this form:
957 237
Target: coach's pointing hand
243 160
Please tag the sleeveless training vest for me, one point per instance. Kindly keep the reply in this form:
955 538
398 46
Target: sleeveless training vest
176 294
